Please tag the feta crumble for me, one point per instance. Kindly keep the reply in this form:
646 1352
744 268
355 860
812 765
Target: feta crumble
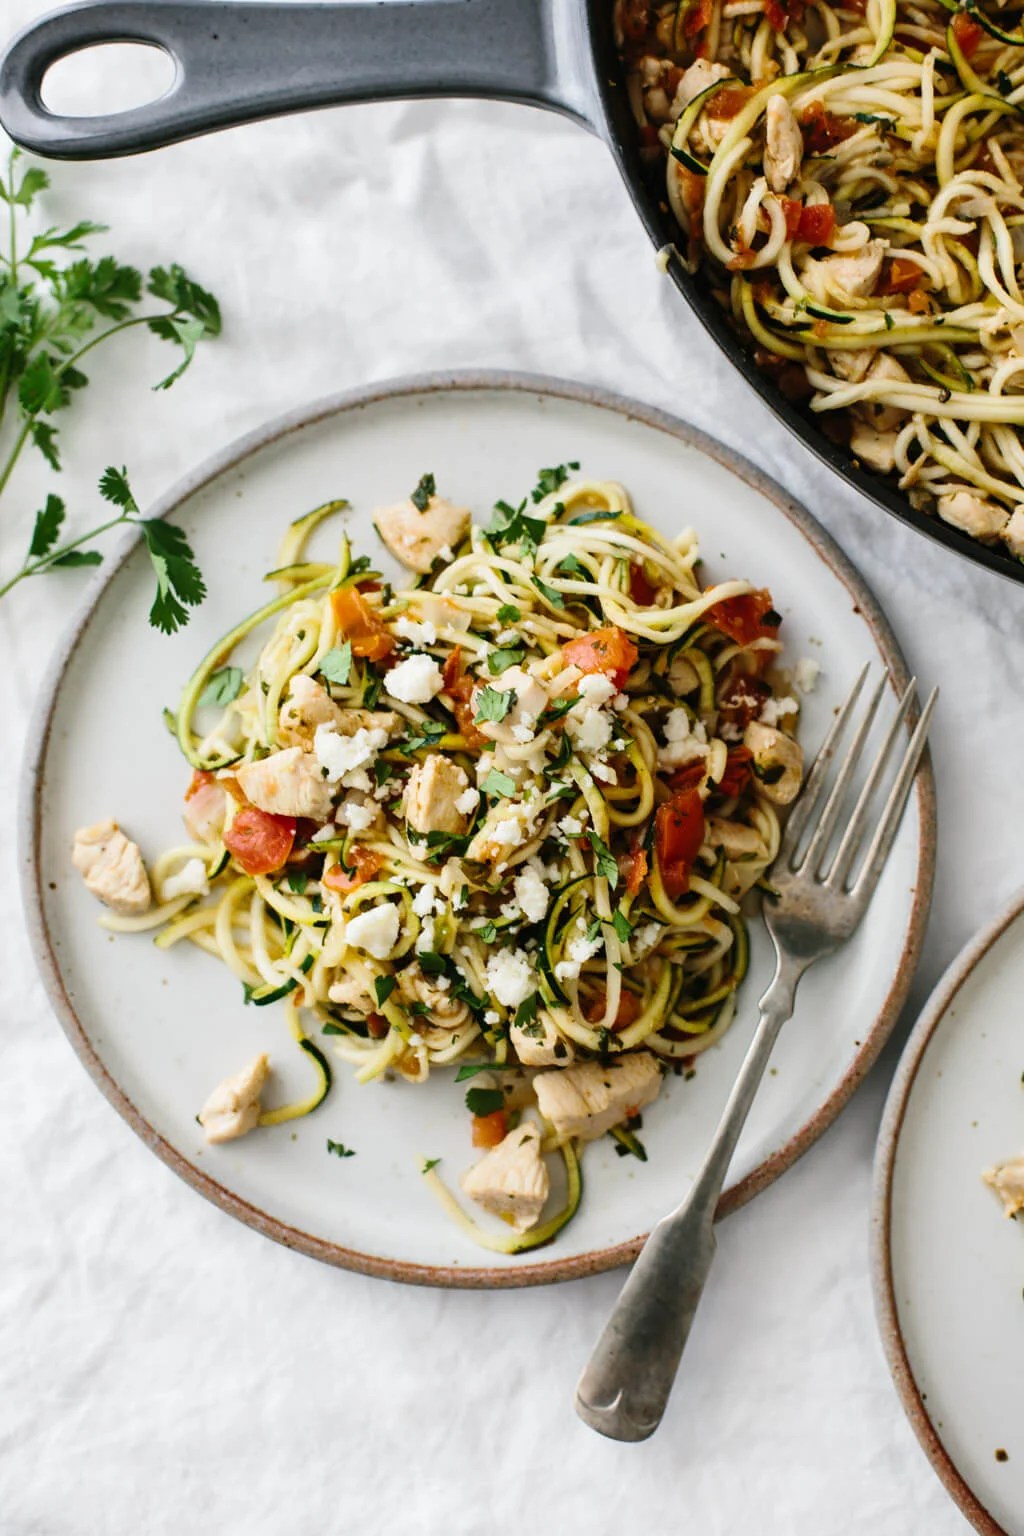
579 951
416 680
531 893
592 733
683 742
339 756
375 931
190 880
511 977
354 814
424 902
773 710
595 688
571 826
467 802
423 633
806 674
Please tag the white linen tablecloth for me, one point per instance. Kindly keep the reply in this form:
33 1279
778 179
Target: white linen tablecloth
162 1368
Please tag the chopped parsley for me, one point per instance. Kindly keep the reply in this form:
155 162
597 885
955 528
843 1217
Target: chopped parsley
498 784
224 685
622 925
383 986
504 657
297 881
551 480
336 666
420 497
429 1163
549 594
527 1011
508 613
511 525
607 864
484 1101
339 1148
494 704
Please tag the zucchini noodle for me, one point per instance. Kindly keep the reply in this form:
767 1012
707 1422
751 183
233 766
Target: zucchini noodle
507 816
849 177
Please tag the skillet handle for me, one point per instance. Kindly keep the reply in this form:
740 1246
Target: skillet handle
239 62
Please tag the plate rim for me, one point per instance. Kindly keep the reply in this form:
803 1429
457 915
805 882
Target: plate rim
897 1102
453 381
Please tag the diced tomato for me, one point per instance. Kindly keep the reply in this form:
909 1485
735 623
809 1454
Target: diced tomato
678 835
737 771
698 14
629 1010
258 842
200 779
649 136
610 651
900 276
729 101
968 33
365 864
792 210
822 131
690 776
461 687
488 1130
781 12
360 625
817 224
634 20
747 618
641 590
918 302
377 1025
633 869
742 700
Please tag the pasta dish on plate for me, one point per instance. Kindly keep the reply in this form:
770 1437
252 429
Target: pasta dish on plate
851 178
501 818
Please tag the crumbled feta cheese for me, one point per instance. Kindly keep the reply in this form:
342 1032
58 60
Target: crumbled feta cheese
325 833
446 552
426 939
340 755
419 634
467 802
644 939
579 950
523 734
592 733
571 826
357 815
508 832
357 779
806 674
507 636
416 680
190 880
425 901
604 773
620 702
684 742
531 893
510 911
511 977
376 931
492 1016
772 710
595 688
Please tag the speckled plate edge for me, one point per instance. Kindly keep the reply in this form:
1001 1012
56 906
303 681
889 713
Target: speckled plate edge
294 421
886 1312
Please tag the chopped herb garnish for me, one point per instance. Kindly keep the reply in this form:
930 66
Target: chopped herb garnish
488 932
224 685
548 593
551 480
607 865
494 704
297 881
371 688
382 770
511 525
889 321
570 566
498 784
336 666
431 963
504 657
383 986
527 1012
339 1148
475 1068
333 1029
594 931
420 497
429 1163
508 613
622 925
484 1101
426 734
593 517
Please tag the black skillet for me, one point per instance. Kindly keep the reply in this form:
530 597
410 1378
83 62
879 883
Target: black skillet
236 63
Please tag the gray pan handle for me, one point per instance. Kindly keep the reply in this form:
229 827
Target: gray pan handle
236 63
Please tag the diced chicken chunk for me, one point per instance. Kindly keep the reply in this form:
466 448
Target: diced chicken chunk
848 277
444 1011
512 1181
778 761
875 449
885 418
735 840
1013 534
1007 1179
287 783
352 989
233 1107
112 868
309 705
588 1099
538 1044
206 808
531 699
433 787
418 538
851 365
784 144
696 79
973 514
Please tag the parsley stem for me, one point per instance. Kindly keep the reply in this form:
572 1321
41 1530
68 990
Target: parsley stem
37 567
12 221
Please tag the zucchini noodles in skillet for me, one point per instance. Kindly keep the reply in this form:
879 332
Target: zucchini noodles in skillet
850 176
501 818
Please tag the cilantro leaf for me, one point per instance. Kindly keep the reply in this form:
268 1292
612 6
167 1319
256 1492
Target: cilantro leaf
508 656
431 963
47 528
176 288
622 925
179 581
507 614
336 665
39 388
32 183
474 1069
493 704
73 557
429 1163
44 436
114 487
548 593
224 685
488 932
607 864
426 488
570 566
339 1148
383 986
551 480
484 1101
498 784
511 525
427 734
527 1011
593 517
297 881
188 333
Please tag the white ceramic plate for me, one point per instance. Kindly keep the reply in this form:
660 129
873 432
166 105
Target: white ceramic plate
158 1030
949 1267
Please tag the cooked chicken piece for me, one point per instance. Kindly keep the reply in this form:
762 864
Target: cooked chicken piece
511 1181
233 1107
418 538
352 988
882 417
1007 1179
847 277
735 840
444 1010
778 761
288 783
309 704
683 676
439 609
588 1099
112 868
508 826
696 79
206 807
851 365
539 1044
531 699
784 144
1013 534
433 787
974 514
875 449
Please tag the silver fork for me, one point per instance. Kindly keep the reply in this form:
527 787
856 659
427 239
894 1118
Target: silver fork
625 1387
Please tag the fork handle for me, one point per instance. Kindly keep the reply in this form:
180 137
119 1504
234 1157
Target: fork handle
625 1387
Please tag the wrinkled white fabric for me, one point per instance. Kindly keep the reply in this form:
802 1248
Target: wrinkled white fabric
162 1368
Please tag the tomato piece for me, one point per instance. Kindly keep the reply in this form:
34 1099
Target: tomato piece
817 224
737 771
742 700
781 12
365 864
360 625
460 688
900 276
747 618
918 302
199 780
729 101
698 15
633 868
641 590
678 835
689 776
629 1010
792 210
377 1025
634 20
822 131
610 651
488 1130
968 33
258 842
